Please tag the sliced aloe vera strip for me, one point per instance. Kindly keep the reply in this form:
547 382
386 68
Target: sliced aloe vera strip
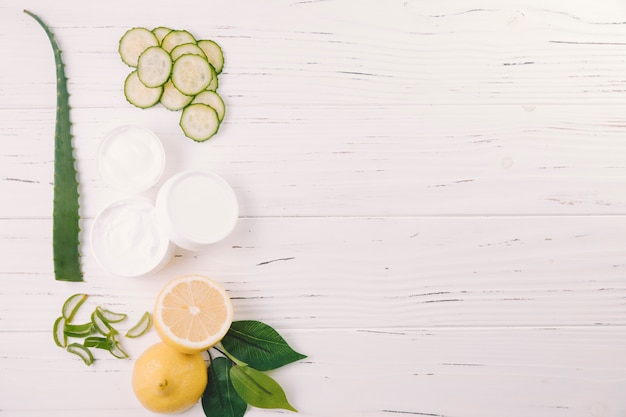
78 330
72 304
83 352
58 332
144 324
101 325
117 351
111 316
98 342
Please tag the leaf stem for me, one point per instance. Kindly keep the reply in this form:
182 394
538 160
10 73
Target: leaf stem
234 360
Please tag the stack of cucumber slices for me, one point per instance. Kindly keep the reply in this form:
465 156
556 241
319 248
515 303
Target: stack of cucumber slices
174 69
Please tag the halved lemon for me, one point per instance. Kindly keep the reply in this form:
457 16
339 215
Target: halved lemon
192 313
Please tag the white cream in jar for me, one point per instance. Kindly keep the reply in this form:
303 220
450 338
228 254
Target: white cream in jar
128 240
131 159
197 208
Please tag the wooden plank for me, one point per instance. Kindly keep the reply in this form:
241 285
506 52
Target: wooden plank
325 53
361 272
394 372
353 161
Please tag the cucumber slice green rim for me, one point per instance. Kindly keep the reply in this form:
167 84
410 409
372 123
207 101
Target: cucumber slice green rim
175 38
214 81
154 66
160 32
211 98
173 99
133 43
191 74
138 94
199 122
83 352
214 53
178 71
186 48
72 304
143 325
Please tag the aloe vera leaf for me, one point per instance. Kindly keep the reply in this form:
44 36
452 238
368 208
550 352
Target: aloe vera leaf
65 216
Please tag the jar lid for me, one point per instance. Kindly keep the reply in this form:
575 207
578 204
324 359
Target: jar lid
197 209
131 159
128 240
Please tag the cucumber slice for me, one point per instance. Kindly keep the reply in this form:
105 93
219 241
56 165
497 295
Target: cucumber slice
154 66
172 99
160 32
186 48
199 122
214 81
138 94
213 53
134 42
175 38
191 74
212 99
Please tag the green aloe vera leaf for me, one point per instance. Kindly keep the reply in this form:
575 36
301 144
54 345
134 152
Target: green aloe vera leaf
142 326
65 216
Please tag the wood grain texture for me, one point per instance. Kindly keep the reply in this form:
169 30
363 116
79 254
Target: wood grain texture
432 200
383 372
442 160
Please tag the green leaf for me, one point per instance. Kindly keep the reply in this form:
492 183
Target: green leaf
65 216
258 345
258 389
220 398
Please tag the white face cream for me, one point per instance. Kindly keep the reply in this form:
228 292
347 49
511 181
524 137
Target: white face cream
128 240
198 208
131 159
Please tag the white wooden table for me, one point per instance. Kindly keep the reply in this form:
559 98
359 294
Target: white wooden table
432 195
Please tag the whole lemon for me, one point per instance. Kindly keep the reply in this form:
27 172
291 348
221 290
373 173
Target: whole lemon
168 381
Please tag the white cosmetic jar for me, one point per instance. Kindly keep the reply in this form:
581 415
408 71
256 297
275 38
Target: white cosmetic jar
131 159
197 209
128 239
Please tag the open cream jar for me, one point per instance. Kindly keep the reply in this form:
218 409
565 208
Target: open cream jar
128 239
197 208
131 159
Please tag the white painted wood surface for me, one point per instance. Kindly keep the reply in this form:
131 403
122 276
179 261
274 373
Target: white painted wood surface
433 200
